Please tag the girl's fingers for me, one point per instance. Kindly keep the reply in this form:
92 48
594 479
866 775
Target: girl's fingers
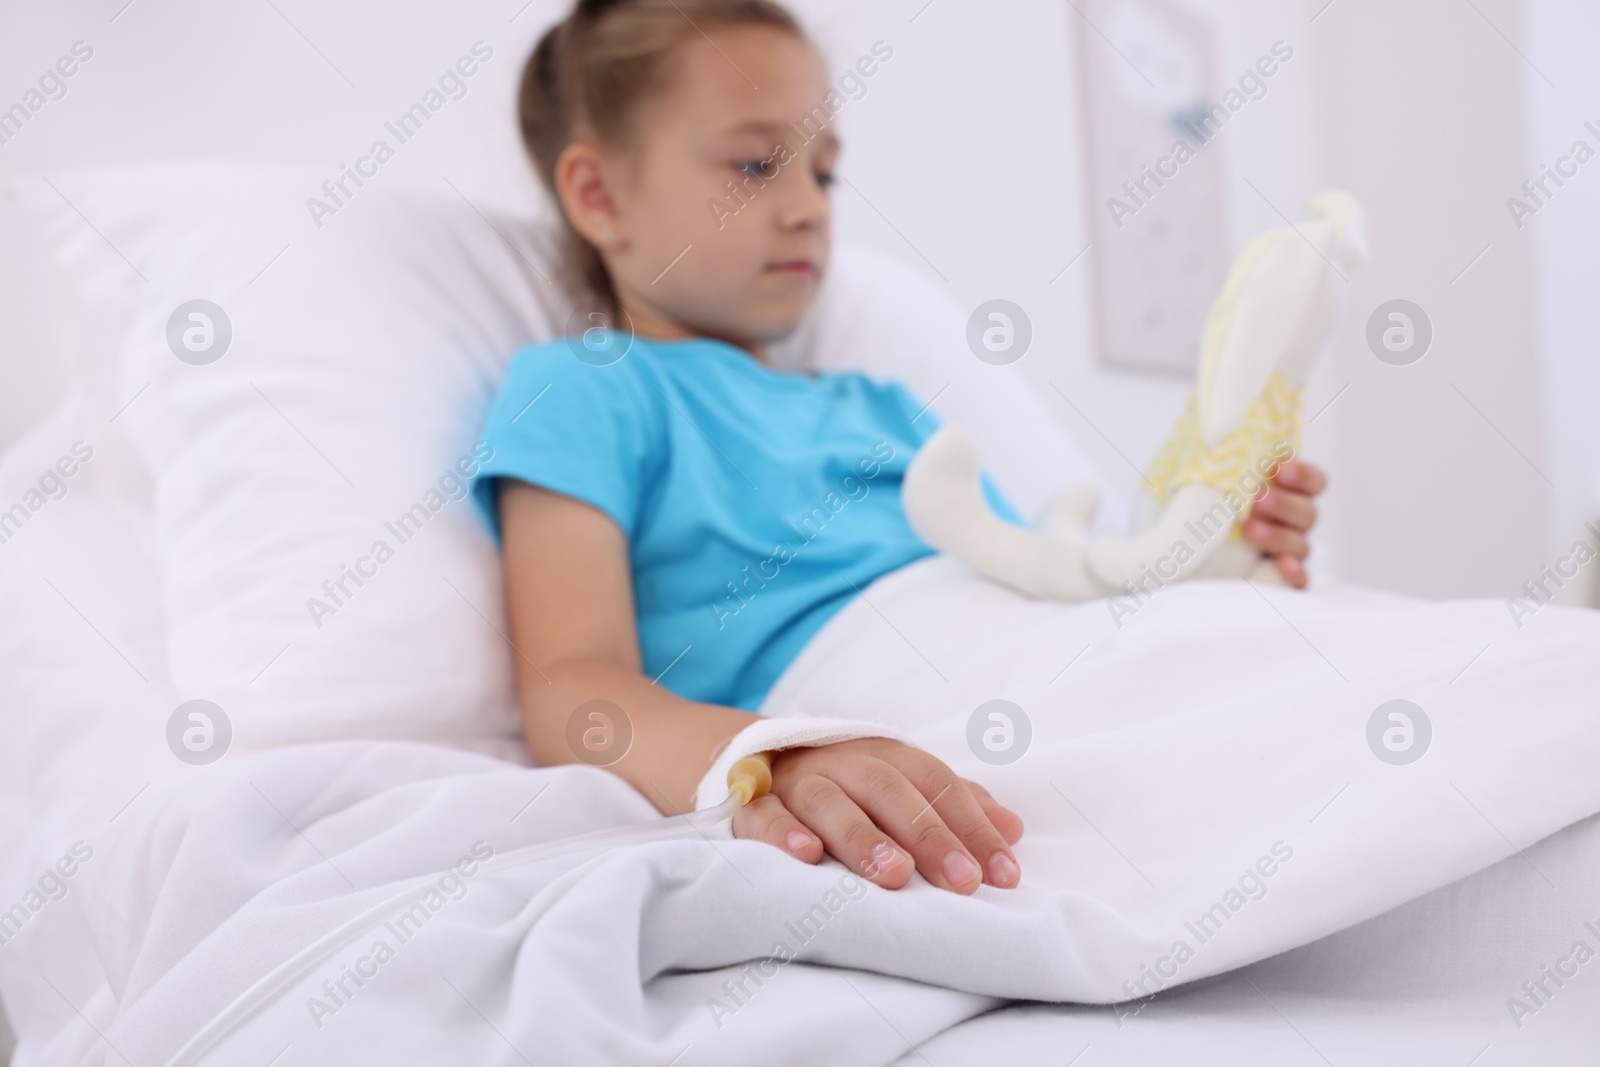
1287 507
847 832
953 800
886 811
766 819
1276 540
888 797
1008 822
1306 477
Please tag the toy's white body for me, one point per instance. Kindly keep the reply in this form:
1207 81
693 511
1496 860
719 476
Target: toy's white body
1262 338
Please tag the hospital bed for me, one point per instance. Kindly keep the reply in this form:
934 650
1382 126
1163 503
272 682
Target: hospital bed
1426 913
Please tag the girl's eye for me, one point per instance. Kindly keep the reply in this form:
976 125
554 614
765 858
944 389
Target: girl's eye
824 179
755 169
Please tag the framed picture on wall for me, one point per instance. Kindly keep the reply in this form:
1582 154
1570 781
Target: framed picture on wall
1155 180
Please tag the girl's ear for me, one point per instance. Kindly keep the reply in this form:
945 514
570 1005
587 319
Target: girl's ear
584 177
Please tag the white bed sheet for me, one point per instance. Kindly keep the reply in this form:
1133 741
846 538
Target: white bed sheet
85 697
1424 985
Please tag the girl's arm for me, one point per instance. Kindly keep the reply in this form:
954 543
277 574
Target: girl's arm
569 595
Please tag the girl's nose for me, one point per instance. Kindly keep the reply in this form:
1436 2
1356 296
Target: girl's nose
804 204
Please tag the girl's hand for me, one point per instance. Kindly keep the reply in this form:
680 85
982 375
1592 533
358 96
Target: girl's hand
884 809
1284 513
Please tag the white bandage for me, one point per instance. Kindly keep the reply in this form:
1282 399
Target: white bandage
773 735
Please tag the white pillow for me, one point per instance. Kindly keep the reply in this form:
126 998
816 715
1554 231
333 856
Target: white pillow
362 358
360 364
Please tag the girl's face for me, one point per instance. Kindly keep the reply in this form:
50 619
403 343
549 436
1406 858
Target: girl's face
717 216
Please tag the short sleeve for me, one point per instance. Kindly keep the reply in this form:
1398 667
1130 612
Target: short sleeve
585 431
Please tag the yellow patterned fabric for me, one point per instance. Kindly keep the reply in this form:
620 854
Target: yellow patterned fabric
1270 426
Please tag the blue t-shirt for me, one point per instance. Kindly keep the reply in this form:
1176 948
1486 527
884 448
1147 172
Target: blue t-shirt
756 502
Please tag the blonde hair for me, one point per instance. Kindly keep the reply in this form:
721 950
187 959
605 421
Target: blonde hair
590 72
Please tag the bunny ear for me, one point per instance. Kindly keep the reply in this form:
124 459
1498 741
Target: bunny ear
1341 208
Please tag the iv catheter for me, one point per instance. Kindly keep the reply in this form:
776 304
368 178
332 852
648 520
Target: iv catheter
748 779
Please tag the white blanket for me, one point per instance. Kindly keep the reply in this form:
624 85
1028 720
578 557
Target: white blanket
1215 735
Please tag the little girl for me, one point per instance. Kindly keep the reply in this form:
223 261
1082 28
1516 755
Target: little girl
679 518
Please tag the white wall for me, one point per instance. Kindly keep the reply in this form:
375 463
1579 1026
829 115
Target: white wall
964 158
1423 119
32 373
1563 238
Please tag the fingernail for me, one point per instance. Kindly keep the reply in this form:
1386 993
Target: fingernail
1003 870
958 869
797 840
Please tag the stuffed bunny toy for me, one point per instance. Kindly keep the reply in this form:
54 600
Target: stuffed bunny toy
1276 313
